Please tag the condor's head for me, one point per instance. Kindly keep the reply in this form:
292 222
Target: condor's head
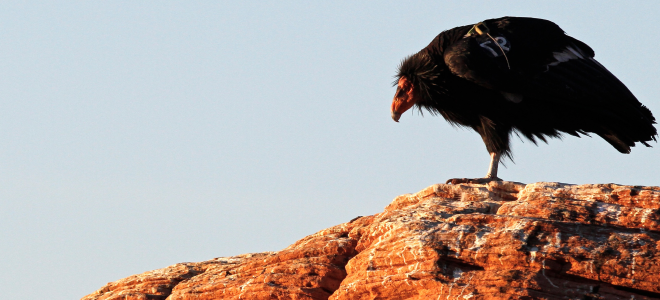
406 96
415 78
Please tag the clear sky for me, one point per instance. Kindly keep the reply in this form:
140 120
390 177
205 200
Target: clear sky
138 134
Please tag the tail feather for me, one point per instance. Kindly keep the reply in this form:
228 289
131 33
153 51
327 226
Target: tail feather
616 142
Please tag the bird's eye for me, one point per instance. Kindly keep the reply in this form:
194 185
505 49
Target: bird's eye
399 93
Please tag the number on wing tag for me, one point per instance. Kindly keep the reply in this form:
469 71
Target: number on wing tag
488 45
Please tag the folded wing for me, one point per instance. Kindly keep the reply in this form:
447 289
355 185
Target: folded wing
553 79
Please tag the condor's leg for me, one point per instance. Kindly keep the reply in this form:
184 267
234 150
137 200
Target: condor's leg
496 138
494 163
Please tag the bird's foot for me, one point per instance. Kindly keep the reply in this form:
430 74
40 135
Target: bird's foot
486 180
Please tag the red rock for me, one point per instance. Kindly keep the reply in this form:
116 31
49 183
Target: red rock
503 240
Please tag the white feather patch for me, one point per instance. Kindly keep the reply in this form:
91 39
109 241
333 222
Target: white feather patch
566 55
577 52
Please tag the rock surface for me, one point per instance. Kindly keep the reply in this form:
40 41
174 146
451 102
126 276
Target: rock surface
502 240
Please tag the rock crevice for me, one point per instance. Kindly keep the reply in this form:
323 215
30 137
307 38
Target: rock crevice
501 240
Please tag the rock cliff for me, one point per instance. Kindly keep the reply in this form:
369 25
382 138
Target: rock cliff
502 240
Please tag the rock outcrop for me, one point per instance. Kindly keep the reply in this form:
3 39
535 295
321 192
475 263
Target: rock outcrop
502 240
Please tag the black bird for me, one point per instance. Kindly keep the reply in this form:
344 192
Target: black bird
521 75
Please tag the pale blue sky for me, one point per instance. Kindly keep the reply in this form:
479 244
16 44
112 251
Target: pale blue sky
139 134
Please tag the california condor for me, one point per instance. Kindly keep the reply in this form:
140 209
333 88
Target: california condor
521 75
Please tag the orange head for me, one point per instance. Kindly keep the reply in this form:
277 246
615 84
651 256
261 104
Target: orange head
404 99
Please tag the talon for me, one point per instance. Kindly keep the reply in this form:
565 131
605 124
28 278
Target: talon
456 181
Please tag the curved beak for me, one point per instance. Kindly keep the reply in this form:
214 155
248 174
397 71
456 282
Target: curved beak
396 116
400 105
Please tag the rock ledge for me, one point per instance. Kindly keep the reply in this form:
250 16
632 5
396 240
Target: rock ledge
502 240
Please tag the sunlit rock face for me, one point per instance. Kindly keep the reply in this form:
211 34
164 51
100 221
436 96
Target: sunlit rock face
502 240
